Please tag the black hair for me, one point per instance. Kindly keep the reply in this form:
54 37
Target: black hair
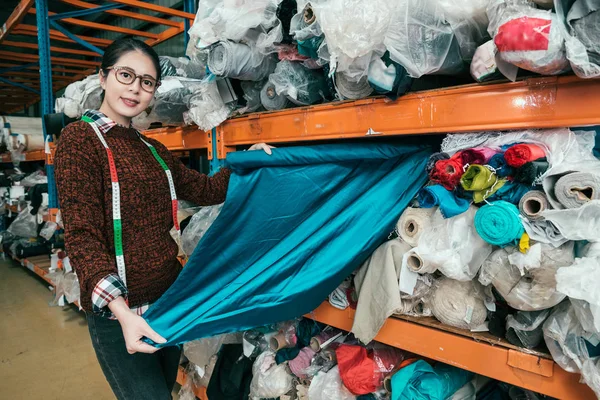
123 46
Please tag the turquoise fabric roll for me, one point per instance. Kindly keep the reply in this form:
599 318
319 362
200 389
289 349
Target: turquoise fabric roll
499 224
295 225
449 204
421 381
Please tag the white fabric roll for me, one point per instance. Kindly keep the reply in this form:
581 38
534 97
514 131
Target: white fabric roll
413 222
459 304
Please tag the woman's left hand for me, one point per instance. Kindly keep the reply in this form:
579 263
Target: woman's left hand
262 146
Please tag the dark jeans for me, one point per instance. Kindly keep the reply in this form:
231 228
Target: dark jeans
132 376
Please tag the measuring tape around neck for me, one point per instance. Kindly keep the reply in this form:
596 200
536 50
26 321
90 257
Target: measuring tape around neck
116 198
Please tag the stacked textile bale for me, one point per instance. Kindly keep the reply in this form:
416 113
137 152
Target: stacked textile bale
501 223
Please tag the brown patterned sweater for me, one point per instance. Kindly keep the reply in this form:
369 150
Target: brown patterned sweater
84 189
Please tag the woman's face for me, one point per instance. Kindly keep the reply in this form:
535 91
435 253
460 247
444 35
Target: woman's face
128 100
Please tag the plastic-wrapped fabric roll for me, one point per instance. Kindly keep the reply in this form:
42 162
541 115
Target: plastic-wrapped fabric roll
572 348
271 100
544 231
239 61
451 246
413 222
269 379
529 38
348 89
525 328
576 189
578 281
533 204
388 77
450 205
458 304
531 171
483 66
498 223
328 385
536 289
302 86
299 364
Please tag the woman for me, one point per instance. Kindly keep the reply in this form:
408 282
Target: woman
118 192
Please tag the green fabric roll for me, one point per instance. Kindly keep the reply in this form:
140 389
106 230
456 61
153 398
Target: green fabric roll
481 181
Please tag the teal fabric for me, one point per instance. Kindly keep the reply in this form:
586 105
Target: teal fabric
449 204
421 381
499 224
294 225
511 192
499 164
287 354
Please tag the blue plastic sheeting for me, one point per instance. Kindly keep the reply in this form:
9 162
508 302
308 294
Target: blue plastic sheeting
294 225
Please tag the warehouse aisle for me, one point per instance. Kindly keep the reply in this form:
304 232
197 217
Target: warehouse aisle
45 351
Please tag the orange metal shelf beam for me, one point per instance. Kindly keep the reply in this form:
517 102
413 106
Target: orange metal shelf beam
37 155
127 14
153 7
15 18
34 46
31 30
180 138
545 102
55 60
517 368
105 27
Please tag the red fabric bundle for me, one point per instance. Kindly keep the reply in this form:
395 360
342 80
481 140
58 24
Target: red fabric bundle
520 154
471 156
523 34
448 172
363 372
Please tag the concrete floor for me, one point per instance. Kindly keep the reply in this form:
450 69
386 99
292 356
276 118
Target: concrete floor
45 352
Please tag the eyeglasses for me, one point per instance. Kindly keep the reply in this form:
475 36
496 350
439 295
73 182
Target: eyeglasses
127 76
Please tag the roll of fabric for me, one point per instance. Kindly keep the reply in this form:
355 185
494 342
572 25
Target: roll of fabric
499 224
512 192
348 89
532 170
456 304
525 328
533 204
239 61
302 86
299 364
576 189
501 168
412 223
417 264
271 100
481 181
447 173
435 157
449 204
520 154
472 156
421 381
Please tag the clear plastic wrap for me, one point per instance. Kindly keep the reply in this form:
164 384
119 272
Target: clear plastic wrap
420 39
240 61
354 30
483 65
581 223
525 328
459 304
242 20
536 290
198 226
201 351
327 386
583 24
65 284
80 96
48 230
182 67
451 246
206 109
36 178
302 86
252 96
269 379
528 37
348 89
25 225
574 349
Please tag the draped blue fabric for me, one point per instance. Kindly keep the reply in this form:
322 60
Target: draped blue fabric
294 225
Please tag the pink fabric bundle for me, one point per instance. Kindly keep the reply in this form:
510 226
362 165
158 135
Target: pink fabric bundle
299 364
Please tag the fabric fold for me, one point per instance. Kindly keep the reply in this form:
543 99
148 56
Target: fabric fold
481 181
450 205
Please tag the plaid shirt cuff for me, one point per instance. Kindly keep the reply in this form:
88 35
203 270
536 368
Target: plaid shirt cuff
107 289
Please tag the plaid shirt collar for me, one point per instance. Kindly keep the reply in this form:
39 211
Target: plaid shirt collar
103 123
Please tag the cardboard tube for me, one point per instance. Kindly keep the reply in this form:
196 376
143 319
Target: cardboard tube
278 342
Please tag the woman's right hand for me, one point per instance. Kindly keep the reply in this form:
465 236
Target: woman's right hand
135 328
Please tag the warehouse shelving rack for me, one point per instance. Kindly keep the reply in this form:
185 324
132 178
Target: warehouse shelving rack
533 103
